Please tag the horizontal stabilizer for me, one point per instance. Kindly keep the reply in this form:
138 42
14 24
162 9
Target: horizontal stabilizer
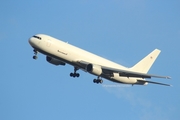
144 81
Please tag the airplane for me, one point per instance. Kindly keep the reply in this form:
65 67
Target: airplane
61 53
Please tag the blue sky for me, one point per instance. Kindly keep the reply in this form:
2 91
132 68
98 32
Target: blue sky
123 31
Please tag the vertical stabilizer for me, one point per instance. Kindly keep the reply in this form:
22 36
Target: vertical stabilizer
145 64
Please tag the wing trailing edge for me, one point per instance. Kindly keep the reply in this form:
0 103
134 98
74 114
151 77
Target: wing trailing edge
145 81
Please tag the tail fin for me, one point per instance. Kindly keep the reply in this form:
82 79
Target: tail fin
145 64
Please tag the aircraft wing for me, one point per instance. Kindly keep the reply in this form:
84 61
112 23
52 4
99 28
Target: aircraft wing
125 73
144 81
122 73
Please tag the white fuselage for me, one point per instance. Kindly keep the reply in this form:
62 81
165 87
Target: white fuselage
70 54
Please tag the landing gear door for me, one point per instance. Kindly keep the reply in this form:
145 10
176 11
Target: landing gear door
48 44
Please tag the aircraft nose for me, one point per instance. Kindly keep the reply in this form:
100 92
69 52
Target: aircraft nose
32 41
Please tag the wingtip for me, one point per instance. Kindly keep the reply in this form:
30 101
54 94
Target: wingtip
168 77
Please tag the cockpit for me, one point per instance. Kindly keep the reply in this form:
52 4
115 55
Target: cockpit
37 37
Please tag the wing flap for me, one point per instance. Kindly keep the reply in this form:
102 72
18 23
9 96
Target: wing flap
126 73
144 81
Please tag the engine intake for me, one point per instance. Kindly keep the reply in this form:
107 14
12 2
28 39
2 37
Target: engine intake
94 69
54 61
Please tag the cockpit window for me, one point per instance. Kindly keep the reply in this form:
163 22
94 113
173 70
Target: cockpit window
37 37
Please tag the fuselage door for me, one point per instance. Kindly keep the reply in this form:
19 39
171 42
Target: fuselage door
48 44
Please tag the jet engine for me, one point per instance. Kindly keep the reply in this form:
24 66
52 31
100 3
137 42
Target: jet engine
94 69
54 61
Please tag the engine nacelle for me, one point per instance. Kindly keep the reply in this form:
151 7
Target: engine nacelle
94 69
54 61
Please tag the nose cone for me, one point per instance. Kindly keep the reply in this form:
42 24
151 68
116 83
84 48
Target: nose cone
31 41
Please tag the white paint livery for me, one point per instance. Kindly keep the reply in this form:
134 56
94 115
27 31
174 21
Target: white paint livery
60 53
